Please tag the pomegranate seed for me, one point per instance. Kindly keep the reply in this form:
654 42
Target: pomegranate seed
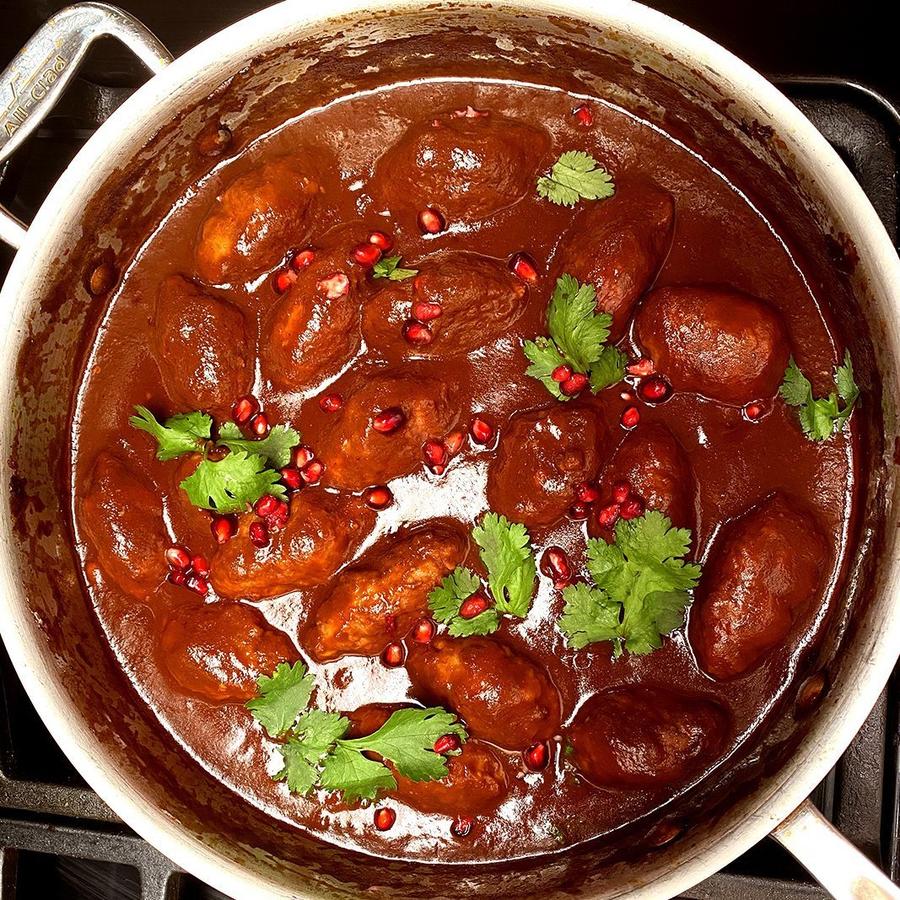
301 456
561 373
555 565
334 286
574 385
382 241
277 519
631 508
244 409
537 756
388 420
331 403
311 473
608 516
384 818
448 743
379 497
642 368
578 512
198 585
426 311
200 565
302 259
480 430
523 265
223 528
265 506
655 389
178 578
435 454
393 655
291 478
461 826
583 116
587 493
621 490
424 631
473 606
752 412
416 333
631 417
366 254
259 425
259 534
283 280
431 221
178 558
454 441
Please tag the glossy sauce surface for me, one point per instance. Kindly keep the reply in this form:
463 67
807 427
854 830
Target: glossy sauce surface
360 153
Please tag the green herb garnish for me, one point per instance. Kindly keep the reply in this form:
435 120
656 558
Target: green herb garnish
389 267
575 176
822 418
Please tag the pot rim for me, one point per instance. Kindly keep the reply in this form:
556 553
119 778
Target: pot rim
229 49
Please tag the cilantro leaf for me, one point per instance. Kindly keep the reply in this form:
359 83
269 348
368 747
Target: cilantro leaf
608 369
233 483
545 357
356 776
446 599
282 697
575 176
275 447
574 326
388 267
589 616
821 418
184 433
312 741
507 555
795 389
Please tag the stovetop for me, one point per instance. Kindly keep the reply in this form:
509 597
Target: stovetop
57 838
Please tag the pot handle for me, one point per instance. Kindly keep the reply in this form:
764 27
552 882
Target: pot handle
831 859
39 74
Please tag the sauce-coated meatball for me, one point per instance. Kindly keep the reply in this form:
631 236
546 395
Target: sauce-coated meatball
255 221
542 457
713 341
619 246
503 696
644 737
763 576
379 599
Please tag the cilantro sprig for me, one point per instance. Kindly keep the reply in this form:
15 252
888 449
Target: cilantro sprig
575 176
577 339
641 587
317 754
184 433
389 267
821 418
507 555
232 483
275 447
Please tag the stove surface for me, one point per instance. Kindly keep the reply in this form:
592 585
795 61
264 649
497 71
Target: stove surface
57 838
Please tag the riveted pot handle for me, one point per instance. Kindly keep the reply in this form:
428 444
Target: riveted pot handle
37 77
831 859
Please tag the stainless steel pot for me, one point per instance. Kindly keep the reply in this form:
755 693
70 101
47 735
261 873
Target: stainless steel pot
624 51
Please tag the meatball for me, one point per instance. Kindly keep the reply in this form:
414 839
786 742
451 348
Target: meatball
502 696
654 466
313 330
255 221
479 300
644 737
714 341
468 164
122 521
202 345
619 246
216 651
357 454
380 598
763 575
321 534
541 458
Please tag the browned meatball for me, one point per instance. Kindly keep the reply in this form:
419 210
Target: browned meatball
380 598
321 534
357 454
313 330
479 299
654 466
218 650
502 696
762 577
639 737
542 457
254 222
619 246
714 341
202 345
122 522
465 165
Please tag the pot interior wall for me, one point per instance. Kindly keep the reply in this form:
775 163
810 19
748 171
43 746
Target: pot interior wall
63 317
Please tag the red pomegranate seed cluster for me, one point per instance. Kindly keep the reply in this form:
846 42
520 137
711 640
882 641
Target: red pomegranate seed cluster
480 430
424 631
583 115
384 818
438 453
570 383
223 528
186 570
431 221
416 329
524 267
244 409
474 605
387 421
381 240
625 504
448 743
654 389
286 276
631 417
394 655
331 403
536 756
555 564
273 514
378 497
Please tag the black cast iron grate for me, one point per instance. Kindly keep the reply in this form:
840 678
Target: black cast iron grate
59 840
